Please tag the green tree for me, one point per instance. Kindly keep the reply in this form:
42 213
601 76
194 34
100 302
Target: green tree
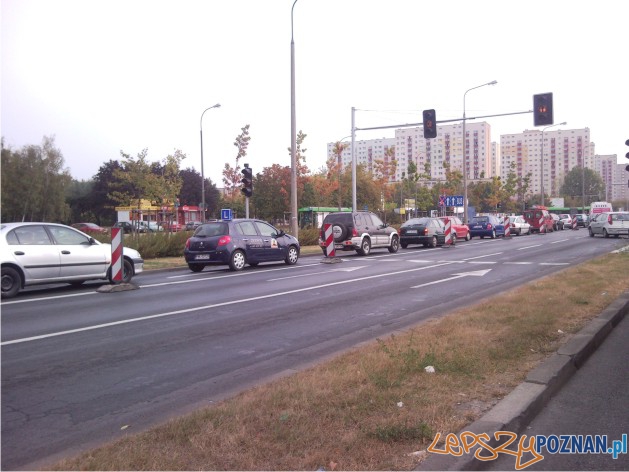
579 182
43 199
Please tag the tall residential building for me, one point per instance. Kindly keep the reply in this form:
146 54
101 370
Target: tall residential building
561 150
614 177
410 146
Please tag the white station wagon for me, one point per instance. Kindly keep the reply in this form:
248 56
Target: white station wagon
44 253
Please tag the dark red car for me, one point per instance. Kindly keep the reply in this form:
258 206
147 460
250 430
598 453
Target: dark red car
90 228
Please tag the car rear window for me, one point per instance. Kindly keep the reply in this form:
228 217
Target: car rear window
480 219
620 217
212 229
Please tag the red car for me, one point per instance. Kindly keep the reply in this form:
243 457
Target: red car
90 228
462 230
172 226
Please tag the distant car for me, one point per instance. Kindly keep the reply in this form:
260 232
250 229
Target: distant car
519 226
90 228
582 220
430 232
566 221
557 223
129 227
614 223
172 226
192 225
46 253
239 242
486 226
150 227
459 228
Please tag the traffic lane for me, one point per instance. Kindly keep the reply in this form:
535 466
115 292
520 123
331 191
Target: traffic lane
222 286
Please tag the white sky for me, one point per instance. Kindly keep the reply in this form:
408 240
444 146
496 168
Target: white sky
105 76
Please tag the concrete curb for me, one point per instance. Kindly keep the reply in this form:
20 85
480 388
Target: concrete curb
515 411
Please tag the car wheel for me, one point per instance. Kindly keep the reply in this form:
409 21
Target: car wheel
127 272
591 232
605 233
365 247
237 260
404 245
493 234
468 237
292 256
11 282
453 237
433 242
196 267
395 244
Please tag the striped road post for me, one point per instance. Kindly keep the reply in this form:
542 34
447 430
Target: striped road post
329 240
116 255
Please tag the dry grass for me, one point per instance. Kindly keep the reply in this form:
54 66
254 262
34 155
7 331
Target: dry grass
368 409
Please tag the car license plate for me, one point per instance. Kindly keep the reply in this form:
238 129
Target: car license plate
202 256
411 231
477 227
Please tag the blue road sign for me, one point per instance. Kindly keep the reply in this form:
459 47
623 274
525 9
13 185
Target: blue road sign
226 214
454 200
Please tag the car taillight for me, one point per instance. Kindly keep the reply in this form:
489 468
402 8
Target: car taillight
354 233
425 231
188 243
224 241
609 219
489 226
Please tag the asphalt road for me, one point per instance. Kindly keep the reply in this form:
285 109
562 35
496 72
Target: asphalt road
81 367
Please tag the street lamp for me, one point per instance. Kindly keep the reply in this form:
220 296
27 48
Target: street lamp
493 82
202 173
542 160
293 135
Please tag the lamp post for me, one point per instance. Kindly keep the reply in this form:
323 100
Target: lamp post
493 82
293 135
202 173
542 160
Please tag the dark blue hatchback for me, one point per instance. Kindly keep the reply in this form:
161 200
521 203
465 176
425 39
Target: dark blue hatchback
239 242
490 226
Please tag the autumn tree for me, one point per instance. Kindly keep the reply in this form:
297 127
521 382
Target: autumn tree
232 175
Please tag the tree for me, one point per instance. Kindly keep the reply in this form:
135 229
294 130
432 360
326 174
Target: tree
190 193
579 182
43 199
272 192
232 175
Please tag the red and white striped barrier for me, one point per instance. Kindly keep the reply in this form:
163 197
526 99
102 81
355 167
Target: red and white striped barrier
116 255
448 231
574 223
329 240
507 225
542 225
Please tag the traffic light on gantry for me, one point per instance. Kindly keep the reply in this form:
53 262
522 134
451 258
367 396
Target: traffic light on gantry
430 124
543 109
247 181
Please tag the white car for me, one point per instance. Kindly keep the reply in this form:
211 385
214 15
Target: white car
519 225
44 253
614 223
566 221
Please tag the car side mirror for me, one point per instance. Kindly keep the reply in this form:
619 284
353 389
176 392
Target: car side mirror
280 233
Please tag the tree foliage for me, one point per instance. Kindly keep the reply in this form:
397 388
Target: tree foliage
34 183
581 182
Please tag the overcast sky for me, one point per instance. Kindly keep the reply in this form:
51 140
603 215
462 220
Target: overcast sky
124 75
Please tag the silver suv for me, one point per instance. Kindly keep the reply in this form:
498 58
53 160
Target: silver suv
359 231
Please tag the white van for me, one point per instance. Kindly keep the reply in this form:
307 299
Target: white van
600 207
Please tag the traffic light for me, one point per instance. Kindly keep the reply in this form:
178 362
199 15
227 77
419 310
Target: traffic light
247 181
543 109
430 124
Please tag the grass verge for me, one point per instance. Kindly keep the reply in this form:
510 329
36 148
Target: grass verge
373 407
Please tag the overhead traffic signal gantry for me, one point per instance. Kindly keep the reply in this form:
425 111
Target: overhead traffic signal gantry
543 109
247 181
430 124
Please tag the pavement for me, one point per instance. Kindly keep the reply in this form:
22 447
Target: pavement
516 411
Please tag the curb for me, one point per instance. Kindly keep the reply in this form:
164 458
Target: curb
515 411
